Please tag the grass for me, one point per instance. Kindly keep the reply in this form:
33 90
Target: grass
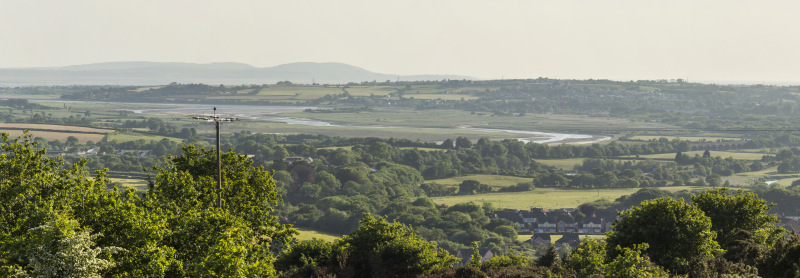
422 149
127 137
139 185
786 182
61 136
412 133
563 164
724 154
685 138
547 197
47 127
554 238
303 91
492 180
308 234
457 118
335 148
771 173
440 96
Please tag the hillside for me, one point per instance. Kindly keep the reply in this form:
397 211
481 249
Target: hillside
154 73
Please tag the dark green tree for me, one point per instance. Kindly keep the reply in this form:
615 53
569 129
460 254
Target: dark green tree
383 249
677 233
732 211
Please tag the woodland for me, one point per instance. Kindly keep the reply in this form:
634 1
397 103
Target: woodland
66 213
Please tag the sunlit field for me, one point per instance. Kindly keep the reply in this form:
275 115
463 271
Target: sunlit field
548 197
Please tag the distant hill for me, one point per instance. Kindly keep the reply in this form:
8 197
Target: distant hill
153 73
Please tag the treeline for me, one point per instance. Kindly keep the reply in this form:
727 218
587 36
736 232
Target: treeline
718 233
155 94
159 127
176 229
689 105
64 223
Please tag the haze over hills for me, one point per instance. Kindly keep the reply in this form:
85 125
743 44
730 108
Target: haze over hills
157 73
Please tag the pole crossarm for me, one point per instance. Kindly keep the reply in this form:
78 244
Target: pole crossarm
217 119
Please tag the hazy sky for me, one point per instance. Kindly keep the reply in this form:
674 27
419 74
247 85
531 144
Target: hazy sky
757 41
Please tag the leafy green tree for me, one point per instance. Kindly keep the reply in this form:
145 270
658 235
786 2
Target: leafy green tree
714 180
382 249
463 142
475 259
550 257
677 233
32 190
234 254
589 258
630 263
468 187
782 259
307 253
63 249
125 222
232 241
738 211
188 182
503 261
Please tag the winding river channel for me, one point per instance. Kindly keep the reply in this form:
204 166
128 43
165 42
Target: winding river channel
269 113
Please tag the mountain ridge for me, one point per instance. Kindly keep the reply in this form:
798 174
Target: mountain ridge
158 73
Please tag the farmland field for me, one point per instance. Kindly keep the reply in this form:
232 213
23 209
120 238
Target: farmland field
685 138
548 197
492 180
55 128
52 135
723 154
308 234
441 96
563 164
421 149
138 184
456 118
126 137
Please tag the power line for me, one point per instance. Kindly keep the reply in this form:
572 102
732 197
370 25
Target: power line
217 119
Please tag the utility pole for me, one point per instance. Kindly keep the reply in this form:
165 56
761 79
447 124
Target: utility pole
217 120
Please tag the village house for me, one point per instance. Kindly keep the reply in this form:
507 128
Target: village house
591 225
539 239
465 255
573 240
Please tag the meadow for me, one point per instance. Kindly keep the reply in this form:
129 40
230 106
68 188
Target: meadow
567 164
685 138
496 181
54 128
61 136
138 184
724 154
55 132
548 197
133 136
308 234
449 118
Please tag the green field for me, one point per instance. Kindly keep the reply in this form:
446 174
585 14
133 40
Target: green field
441 96
771 173
685 138
563 164
308 234
138 184
723 154
127 137
492 180
421 149
458 118
548 197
